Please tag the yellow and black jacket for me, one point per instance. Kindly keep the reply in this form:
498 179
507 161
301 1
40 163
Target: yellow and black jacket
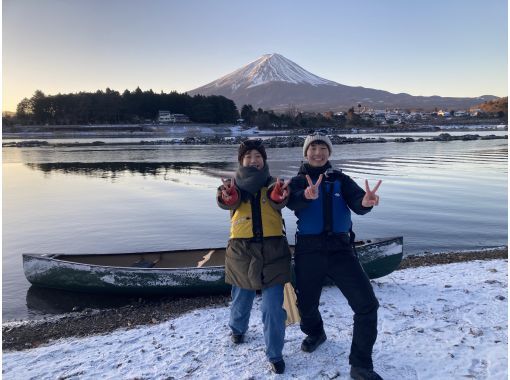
258 254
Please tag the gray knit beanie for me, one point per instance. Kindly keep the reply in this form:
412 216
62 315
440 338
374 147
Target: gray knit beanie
317 138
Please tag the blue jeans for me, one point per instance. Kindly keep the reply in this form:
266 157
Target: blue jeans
273 317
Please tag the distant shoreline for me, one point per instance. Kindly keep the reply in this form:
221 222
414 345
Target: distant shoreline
270 142
194 129
30 334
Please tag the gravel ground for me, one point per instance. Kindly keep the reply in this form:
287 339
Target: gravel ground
20 336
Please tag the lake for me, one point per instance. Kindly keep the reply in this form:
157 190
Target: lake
441 196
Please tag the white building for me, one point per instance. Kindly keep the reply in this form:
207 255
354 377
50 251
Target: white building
179 118
164 117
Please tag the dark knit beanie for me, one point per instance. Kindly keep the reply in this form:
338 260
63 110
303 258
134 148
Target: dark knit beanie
249 145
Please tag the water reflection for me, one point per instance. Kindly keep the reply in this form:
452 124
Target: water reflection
116 169
391 165
41 301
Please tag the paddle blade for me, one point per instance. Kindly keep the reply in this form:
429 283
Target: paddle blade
290 304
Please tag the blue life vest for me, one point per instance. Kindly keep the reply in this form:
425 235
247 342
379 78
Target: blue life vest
328 213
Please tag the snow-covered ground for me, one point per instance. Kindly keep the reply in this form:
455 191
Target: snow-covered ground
441 322
475 127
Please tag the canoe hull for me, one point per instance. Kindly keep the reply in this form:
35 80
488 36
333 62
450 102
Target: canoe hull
382 258
378 258
129 281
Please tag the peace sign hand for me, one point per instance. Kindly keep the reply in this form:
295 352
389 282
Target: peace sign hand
280 191
371 198
312 191
228 190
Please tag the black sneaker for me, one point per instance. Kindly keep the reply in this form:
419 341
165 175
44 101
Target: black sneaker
360 373
311 342
237 338
278 367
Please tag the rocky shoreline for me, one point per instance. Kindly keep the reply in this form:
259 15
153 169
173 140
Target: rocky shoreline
30 334
272 142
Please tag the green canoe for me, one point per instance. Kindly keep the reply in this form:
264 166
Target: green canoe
183 272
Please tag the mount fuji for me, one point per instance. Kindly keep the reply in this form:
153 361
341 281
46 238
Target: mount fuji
275 82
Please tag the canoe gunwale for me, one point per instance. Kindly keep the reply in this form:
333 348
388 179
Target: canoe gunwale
123 268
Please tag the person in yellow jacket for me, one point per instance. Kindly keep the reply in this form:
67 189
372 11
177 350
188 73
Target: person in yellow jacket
258 255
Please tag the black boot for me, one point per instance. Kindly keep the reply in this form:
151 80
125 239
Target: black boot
237 338
278 367
360 373
311 342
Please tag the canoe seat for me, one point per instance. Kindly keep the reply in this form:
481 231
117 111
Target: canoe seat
142 263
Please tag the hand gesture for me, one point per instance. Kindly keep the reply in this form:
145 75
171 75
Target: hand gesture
280 190
228 190
312 191
371 198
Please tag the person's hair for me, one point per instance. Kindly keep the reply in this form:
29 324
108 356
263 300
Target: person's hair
248 145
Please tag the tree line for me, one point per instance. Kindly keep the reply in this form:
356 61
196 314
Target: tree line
112 107
132 107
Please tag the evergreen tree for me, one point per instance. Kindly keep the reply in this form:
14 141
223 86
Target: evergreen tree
110 106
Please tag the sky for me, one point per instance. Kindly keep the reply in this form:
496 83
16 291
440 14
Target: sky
436 47
440 322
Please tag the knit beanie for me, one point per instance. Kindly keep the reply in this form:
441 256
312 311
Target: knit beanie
248 145
317 138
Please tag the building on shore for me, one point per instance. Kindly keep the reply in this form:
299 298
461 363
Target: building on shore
165 117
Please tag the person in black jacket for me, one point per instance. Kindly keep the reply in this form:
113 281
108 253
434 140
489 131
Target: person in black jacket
322 199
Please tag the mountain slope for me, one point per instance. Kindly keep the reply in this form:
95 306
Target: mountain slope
266 69
275 82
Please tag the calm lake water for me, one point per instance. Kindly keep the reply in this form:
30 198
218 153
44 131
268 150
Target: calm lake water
439 196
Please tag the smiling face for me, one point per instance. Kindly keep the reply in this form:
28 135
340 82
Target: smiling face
253 158
317 154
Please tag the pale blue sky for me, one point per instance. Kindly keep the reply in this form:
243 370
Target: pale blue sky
432 47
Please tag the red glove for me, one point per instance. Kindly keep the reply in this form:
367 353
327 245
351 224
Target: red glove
229 194
280 191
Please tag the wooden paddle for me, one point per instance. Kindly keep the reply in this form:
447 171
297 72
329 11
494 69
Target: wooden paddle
290 304
205 259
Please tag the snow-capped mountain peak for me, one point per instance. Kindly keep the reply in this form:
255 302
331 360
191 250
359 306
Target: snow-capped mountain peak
275 82
269 68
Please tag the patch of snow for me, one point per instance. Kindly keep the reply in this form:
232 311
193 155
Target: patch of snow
466 251
109 279
37 267
473 127
238 130
391 249
52 318
440 322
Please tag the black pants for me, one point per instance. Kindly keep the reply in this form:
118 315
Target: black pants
319 256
